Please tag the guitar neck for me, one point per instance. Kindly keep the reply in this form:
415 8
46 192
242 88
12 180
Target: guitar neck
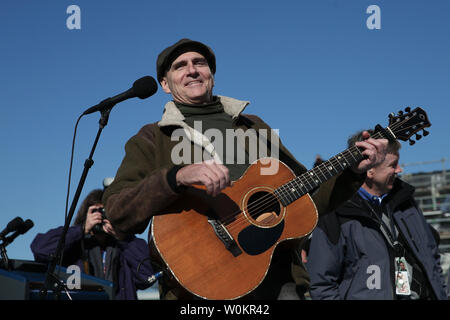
313 178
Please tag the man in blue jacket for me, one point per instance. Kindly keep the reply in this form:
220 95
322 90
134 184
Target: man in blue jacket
91 243
377 245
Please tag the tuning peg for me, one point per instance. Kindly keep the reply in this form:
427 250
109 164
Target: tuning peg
425 133
411 142
418 136
400 113
407 109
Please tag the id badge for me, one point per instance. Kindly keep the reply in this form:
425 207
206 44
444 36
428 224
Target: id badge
402 283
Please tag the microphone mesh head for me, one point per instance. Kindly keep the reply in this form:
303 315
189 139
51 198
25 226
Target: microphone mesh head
27 225
145 87
14 224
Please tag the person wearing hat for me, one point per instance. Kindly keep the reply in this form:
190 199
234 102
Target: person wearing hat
151 175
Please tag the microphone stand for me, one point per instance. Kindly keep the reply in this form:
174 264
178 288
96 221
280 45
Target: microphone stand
51 280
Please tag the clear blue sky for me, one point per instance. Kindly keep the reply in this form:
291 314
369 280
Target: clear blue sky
311 69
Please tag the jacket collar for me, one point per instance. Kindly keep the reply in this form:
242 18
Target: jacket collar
363 193
173 117
401 192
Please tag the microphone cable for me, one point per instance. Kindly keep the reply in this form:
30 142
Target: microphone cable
71 164
70 176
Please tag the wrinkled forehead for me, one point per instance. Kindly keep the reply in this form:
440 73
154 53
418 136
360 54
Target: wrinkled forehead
181 51
188 56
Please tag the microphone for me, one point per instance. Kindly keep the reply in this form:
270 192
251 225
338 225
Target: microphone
142 88
13 225
22 229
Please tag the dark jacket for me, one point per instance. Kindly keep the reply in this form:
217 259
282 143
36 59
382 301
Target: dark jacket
130 254
348 249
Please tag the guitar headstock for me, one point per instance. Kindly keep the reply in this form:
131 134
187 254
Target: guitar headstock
409 122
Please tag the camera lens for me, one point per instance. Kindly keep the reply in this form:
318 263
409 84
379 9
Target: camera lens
98 228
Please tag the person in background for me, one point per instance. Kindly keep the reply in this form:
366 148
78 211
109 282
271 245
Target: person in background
377 245
91 243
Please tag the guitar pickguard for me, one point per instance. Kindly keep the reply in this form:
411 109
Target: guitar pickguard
255 240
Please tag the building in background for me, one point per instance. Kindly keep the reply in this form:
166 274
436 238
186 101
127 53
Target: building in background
433 196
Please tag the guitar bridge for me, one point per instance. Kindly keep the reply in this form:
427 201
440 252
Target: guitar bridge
223 234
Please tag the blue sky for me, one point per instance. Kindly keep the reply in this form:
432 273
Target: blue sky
311 69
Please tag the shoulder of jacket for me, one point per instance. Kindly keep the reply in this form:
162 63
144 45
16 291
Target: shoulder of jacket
151 130
331 223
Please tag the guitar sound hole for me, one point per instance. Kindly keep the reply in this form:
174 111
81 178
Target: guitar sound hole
263 207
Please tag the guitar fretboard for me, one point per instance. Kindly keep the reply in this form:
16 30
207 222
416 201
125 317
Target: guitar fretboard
313 178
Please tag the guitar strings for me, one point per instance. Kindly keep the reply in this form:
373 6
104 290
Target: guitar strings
320 167
270 199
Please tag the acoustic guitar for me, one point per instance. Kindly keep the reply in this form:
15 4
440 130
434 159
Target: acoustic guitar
221 247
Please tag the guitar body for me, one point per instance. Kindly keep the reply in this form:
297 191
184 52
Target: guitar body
228 256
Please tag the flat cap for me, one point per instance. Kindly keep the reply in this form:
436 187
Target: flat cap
168 55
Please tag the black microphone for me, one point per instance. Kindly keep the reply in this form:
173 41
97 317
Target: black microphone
142 88
13 225
22 229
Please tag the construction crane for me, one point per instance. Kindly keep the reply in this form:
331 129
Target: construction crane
443 160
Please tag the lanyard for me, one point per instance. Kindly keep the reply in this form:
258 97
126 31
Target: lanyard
389 232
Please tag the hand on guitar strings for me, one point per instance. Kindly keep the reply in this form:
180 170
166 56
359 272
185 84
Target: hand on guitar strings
374 151
214 176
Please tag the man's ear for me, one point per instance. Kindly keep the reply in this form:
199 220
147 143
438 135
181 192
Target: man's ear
370 173
165 85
